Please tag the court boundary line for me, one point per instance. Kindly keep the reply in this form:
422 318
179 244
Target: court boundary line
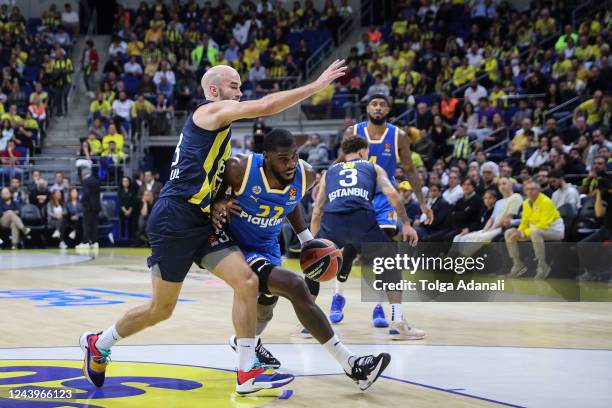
411 344
432 387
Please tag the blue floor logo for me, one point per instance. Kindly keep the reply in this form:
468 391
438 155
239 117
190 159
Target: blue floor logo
75 297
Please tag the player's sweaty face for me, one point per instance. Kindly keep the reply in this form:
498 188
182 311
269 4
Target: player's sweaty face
378 109
284 163
230 90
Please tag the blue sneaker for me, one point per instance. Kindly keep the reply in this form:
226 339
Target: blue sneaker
378 317
335 314
260 378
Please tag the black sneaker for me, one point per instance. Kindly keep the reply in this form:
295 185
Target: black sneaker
263 355
367 369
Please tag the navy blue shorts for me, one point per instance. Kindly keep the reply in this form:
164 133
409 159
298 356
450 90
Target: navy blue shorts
353 228
180 234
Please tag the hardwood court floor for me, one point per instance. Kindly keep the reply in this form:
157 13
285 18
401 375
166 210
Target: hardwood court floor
476 354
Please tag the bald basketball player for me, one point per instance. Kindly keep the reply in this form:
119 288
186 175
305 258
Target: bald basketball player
181 233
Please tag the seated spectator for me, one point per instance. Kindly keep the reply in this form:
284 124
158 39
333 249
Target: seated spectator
589 183
149 184
439 135
461 142
56 212
146 205
164 111
463 74
377 88
314 151
407 199
112 136
114 160
166 72
132 67
468 117
599 141
39 92
122 109
117 47
142 110
16 96
591 109
424 117
39 194
540 156
70 19
454 191
7 134
441 210
565 193
74 213
100 108
97 128
10 159
464 216
9 217
475 92
523 139
38 110
504 210
489 172
20 194
540 221
25 136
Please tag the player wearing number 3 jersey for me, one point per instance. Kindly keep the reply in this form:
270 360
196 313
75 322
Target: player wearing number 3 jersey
181 233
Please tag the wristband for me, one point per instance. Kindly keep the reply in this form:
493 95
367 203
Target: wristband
305 236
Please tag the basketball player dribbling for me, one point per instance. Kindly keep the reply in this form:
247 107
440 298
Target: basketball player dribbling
388 147
181 233
266 189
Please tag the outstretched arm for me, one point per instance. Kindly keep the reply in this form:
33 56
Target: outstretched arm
219 114
412 175
383 183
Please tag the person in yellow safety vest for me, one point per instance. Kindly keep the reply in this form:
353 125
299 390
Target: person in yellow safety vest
61 72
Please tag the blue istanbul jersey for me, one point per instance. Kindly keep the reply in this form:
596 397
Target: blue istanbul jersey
384 152
350 186
198 164
264 209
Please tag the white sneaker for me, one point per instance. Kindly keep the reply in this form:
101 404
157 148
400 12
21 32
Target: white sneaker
542 272
111 238
517 270
62 245
302 332
72 235
56 234
94 245
82 245
403 331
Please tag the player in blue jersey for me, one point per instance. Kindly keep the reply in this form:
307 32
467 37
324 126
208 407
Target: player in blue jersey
346 197
389 147
181 233
266 189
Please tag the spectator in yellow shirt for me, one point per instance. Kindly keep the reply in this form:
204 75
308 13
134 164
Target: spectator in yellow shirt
545 25
91 147
463 73
100 107
112 136
592 109
540 221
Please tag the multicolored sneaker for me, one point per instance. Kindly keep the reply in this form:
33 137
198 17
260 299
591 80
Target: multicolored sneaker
260 378
367 369
335 313
378 317
403 331
264 356
95 360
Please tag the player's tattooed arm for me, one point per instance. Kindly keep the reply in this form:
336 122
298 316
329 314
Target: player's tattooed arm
224 204
412 174
383 183
317 211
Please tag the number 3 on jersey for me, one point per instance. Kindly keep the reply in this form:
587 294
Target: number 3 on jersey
350 177
174 172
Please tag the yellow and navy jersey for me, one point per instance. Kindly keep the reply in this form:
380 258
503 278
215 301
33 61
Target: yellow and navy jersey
197 165
264 208
384 151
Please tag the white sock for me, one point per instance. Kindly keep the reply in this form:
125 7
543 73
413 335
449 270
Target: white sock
246 353
108 338
339 351
340 287
397 312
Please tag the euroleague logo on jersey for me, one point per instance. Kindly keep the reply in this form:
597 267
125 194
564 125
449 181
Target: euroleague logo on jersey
292 194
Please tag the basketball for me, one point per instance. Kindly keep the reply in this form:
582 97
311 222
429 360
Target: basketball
320 260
